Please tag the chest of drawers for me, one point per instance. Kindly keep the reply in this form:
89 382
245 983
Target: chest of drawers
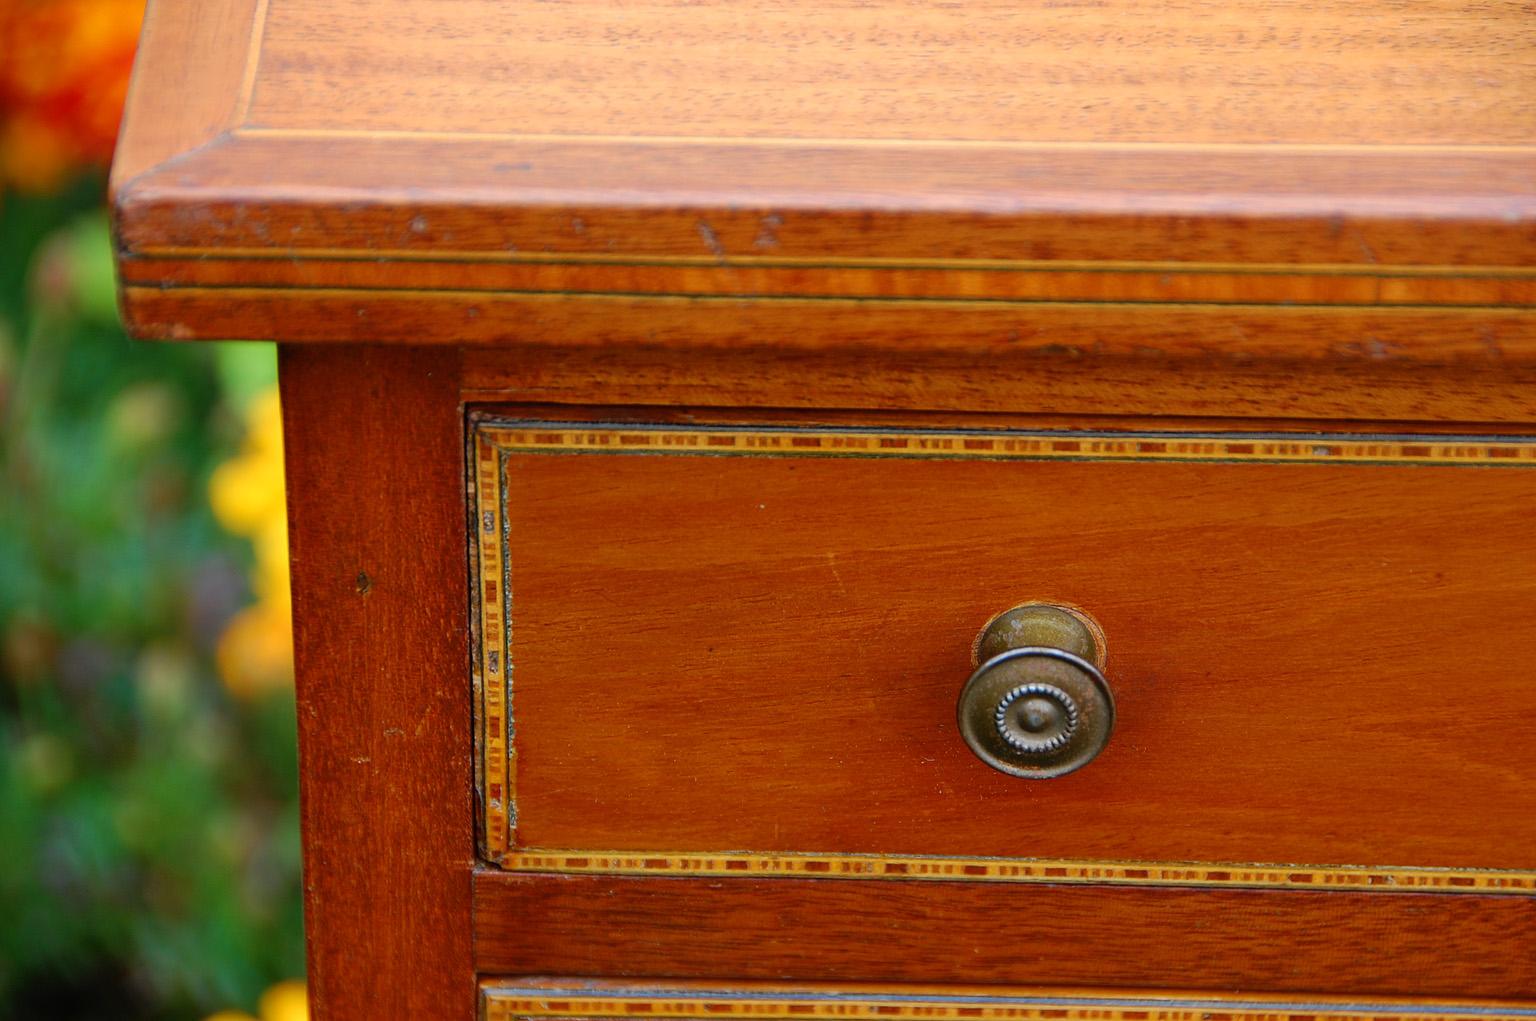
885 510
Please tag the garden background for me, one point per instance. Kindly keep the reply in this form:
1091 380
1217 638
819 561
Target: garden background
149 853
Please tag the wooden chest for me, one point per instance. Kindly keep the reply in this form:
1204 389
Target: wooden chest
679 394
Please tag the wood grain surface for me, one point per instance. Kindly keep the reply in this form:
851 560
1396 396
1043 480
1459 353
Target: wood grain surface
1325 71
404 162
375 470
1239 941
266 195
1313 663
1234 335
1497 396
190 81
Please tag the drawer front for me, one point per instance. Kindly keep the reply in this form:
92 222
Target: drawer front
737 650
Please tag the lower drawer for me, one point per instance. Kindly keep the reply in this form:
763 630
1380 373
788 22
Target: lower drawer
562 999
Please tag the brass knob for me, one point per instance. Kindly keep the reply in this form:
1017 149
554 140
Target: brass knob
1038 705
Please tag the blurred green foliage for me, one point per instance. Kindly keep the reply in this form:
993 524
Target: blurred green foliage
149 862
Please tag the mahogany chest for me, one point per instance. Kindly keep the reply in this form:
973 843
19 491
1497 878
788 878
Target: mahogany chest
897 509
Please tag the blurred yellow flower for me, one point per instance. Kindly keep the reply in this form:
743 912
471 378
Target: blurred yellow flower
255 653
285 1001
247 491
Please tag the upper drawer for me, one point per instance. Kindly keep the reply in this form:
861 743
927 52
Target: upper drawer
738 649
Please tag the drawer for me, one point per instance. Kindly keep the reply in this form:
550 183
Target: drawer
738 649
539 1000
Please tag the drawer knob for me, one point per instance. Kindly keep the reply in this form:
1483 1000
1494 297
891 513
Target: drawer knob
1038 706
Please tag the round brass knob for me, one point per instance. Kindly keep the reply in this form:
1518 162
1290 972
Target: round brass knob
1038 705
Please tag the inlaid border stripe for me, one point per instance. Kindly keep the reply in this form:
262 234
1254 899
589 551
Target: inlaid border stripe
494 765
1020 870
819 142
1369 271
509 278
503 1003
253 52
356 292
1000 445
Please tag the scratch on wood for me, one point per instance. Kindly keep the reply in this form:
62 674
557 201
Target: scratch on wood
711 240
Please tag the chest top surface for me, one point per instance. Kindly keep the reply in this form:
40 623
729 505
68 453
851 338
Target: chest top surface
1090 72
1264 153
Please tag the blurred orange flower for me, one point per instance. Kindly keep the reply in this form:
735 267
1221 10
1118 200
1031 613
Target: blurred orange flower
63 80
